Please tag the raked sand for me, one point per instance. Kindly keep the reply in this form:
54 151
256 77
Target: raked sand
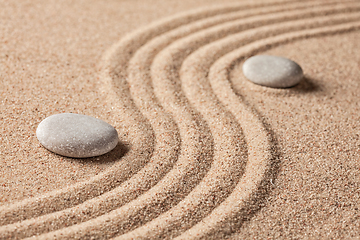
203 153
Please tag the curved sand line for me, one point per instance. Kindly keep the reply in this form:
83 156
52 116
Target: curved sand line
78 193
175 217
157 42
230 214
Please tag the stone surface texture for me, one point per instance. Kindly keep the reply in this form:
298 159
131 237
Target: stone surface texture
76 135
272 71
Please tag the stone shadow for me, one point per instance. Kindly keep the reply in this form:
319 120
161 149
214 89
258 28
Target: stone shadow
306 85
111 157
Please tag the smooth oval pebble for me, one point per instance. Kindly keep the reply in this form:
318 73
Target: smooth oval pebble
272 71
76 135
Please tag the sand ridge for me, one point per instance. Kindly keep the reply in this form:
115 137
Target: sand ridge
199 158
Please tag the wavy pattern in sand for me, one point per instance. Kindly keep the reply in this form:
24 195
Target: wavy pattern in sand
200 159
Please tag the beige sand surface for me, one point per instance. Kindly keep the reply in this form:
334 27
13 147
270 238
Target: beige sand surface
204 153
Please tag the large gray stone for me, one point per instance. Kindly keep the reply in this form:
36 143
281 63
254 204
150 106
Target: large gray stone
76 135
272 71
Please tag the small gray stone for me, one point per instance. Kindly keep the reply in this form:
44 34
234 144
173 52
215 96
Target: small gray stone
76 135
272 71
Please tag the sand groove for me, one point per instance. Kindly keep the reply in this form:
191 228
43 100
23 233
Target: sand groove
206 154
